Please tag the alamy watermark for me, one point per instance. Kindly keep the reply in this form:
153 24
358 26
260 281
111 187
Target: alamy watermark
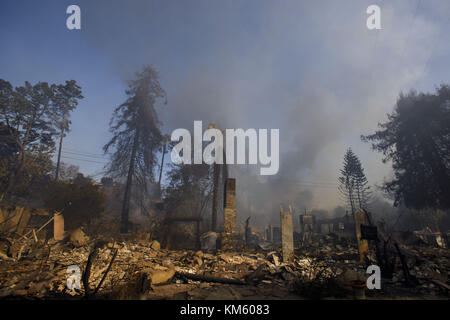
374 280
73 21
214 152
374 20
74 280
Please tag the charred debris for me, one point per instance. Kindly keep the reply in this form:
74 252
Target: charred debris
39 259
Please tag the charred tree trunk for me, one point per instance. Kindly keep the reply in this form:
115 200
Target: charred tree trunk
247 233
127 195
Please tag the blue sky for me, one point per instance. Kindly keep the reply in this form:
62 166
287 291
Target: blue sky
309 68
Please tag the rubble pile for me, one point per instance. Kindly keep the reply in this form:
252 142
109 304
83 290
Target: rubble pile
137 268
428 265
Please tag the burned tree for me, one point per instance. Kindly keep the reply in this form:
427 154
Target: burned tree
136 135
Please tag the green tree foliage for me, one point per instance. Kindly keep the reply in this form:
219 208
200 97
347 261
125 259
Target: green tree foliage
8 148
25 113
81 200
28 126
136 135
353 184
416 138
65 98
68 172
35 174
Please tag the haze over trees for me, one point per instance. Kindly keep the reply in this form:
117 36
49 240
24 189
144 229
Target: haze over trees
189 189
137 137
35 118
416 139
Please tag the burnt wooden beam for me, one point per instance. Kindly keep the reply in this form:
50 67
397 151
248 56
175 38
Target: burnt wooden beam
197 277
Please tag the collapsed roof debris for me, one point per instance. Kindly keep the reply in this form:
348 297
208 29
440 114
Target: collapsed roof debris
328 259
135 267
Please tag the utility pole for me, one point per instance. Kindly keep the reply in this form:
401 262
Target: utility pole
162 165
58 163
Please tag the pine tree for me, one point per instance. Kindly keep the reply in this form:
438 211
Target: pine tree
363 193
347 183
353 184
136 135
65 101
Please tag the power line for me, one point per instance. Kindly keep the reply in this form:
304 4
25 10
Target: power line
315 186
97 174
82 159
318 182
84 152
329 183
84 155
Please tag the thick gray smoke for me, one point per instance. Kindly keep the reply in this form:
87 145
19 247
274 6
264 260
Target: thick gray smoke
313 70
